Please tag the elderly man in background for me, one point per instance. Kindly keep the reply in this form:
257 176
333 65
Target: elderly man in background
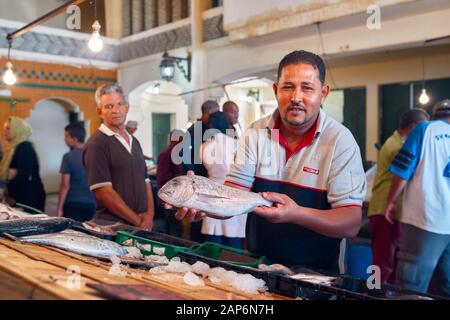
115 165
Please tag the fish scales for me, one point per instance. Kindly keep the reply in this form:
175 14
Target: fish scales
34 226
78 242
217 200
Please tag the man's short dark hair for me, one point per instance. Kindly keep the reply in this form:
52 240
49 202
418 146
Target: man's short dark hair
413 116
76 130
306 57
228 103
210 106
441 109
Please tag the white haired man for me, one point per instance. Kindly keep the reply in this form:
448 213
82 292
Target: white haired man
115 165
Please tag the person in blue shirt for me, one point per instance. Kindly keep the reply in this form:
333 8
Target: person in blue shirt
421 170
75 200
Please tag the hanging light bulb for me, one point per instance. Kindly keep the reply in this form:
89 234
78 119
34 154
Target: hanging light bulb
9 78
96 43
424 98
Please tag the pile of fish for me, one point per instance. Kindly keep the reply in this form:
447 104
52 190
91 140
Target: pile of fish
215 199
78 242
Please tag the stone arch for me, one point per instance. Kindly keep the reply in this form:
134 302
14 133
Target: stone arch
250 111
156 97
48 118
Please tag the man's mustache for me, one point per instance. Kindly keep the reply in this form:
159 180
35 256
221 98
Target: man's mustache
296 106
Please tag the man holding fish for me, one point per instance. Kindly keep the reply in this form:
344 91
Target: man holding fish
304 162
115 165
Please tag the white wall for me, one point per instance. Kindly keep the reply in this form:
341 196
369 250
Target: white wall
48 120
246 19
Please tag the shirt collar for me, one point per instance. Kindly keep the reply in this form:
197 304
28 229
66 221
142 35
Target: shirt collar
103 128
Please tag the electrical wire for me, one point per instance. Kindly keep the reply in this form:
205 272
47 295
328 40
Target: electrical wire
324 55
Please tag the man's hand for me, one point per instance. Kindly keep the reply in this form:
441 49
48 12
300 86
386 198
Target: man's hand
281 212
146 222
191 215
390 211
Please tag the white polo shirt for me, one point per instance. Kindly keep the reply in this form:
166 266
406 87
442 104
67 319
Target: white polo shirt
324 172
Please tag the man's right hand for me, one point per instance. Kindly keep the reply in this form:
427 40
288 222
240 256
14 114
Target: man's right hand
390 211
191 215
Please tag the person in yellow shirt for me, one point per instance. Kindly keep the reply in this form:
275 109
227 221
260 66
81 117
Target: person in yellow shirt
386 236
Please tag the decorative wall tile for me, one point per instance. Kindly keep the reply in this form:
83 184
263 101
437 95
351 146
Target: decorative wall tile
73 47
150 12
164 12
137 16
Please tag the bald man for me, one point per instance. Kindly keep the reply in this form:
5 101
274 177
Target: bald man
231 111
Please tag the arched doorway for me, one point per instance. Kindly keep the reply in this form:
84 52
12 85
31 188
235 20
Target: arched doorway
254 96
158 108
48 119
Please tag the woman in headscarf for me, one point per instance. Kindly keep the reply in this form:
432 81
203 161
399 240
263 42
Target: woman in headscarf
217 156
20 167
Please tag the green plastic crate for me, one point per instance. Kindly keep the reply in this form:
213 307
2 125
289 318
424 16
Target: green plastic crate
228 254
170 251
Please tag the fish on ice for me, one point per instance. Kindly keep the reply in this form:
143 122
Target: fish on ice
215 199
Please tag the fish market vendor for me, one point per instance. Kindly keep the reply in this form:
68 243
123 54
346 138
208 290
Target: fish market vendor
308 164
115 165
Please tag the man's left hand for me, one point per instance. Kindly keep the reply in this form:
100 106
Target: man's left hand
282 211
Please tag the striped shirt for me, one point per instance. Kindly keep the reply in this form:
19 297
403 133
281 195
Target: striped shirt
424 161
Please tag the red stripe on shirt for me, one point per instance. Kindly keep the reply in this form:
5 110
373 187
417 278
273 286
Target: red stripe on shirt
237 184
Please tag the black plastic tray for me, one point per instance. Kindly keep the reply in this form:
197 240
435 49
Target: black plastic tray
386 292
277 284
163 238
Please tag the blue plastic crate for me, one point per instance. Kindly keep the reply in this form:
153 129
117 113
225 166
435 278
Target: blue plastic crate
358 258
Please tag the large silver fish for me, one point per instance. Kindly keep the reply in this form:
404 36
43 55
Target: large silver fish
215 199
78 242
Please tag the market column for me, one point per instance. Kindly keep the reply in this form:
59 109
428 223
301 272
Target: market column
198 80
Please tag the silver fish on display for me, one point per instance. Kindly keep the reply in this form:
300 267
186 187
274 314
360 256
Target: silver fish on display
33 226
78 242
215 199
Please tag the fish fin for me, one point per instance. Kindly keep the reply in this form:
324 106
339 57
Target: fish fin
214 216
11 237
205 196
